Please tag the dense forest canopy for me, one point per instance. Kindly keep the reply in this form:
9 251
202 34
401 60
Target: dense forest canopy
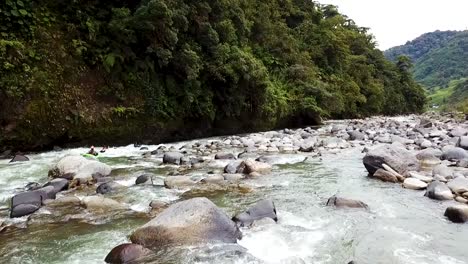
103 69
439 57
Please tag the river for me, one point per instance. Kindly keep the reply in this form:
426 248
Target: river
402 225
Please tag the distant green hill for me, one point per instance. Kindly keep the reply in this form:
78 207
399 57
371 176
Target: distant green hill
439 57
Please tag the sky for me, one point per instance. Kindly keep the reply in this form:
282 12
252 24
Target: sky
394 22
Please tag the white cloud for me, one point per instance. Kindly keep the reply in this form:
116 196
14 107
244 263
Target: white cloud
393 22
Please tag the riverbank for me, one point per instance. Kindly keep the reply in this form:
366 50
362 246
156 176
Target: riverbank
300 170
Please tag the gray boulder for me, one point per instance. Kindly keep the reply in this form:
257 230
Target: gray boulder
109 187
463 142
178 182
235 167
126 253
458 185
356 135
394 155
384 175
19 158
454 153
442 170
457 213
26 203
256 166
414 184
261 209
223 155
143 179
343 202
79 168
193 221
458 132
438 191
59 184
172 158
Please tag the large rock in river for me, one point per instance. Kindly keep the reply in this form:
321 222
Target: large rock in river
19 158
26 203
457 213
126 253
172 157
395 155
262 209
193 221
414 184
439 191
343 202
454 153
458 185
80 167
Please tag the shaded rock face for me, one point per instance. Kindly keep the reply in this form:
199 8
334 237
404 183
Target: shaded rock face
458 185
454 153
126 253
394 155
457 213
463 142
27 202
178 182
193 221
142 179
225 156
58 184
172 158
438 191
385 176
256 166
343 203
19 158
262 209
235 167
99 203
108 187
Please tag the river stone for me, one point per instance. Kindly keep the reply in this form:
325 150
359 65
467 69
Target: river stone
214 179
454 153
223 155
63 201
394 155
458 185
356 135
461 199
414 184
233 167
126 253
261 209
27 202
109 187
344 202
385 176
458 132
193 221
178 182
429 153
23 209
100 203
80 167
439 191
142 179
59 184
256 166
443 171
172 158
425 144
423 178
457 213
463 142
31 186
19 158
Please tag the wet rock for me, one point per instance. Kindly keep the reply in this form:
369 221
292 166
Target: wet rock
394 155
235 167
256 166
213 179
261 209
461 199
343 202
143 179
59 184
157 205
454 153
19 158
420 177
32 186
126 253
144 148
457 213
263 222
193 221
443 171
438 191
80 167
414 184
100 203
27 202
458 185
109 187
23 209
172 158
463 142
223 155
63 201
5 154
458 132
385 176
356 135
178 182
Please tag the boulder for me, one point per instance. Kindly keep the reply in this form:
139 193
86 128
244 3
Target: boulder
385 176
421 177
223 155
458 185
213 179
454 153
178 182
235 167
79 168
394 155
356 135
343 202
172 158
458 132
126 253
457 213
109 187
142 179
443 171
463 142
414 184
193 221
59 184
256 166
63 201
438 191
19 158
27 202
100 203
261 209
31 186
23 209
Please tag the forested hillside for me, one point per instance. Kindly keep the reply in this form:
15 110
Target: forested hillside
439 57
118 71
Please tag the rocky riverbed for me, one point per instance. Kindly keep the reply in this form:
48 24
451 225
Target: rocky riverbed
379 190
